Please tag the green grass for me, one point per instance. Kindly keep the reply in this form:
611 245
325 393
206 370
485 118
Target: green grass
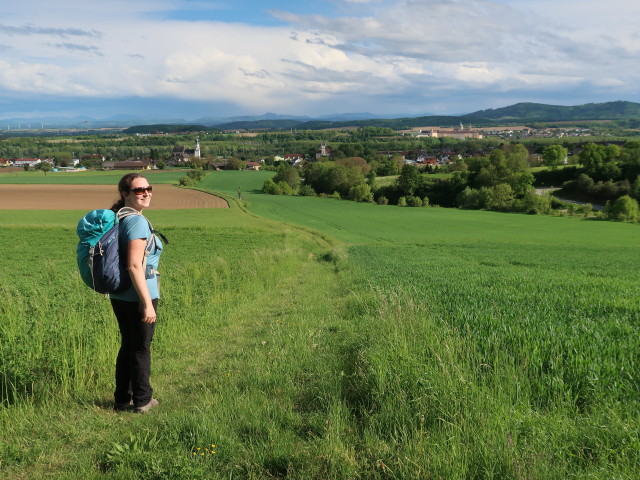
350 341
89 177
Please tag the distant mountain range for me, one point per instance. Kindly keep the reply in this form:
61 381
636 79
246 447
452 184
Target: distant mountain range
518 113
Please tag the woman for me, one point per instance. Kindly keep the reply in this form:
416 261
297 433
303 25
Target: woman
135 308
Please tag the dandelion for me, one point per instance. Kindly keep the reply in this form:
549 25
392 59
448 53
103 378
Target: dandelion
208 450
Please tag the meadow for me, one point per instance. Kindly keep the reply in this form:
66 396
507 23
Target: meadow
317 338
88 177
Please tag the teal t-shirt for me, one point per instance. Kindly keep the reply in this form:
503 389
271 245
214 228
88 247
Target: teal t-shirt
135 227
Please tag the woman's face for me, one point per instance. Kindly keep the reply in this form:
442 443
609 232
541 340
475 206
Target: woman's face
138 197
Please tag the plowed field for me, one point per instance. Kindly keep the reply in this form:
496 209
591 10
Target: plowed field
90 197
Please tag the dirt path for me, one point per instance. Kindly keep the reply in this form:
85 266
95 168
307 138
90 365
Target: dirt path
544 191
89 197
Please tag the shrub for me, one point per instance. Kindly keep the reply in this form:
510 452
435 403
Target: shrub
624 209
268 186
472 199
361 193
195 174
414 201
500 198
533 204
307 191
402 202
186 182
382 200
285 189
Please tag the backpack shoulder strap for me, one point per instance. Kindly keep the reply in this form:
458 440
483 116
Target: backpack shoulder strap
125 212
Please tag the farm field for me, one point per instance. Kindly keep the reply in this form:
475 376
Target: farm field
88 177
315 338
90 197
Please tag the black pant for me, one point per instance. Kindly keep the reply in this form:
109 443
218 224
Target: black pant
133 365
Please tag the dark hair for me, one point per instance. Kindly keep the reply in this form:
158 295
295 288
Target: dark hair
124 186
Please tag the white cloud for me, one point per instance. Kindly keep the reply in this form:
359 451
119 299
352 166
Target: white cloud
395 55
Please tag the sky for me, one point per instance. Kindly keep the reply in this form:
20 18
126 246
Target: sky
191 59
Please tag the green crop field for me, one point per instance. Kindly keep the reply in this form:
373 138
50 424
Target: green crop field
110 177
315 338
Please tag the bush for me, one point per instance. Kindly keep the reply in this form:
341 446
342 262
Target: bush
382 200
500 198
414 201
307 191
361 193
402 202
186 182
196 174
285 189
471 199
624 209
269 187
533 204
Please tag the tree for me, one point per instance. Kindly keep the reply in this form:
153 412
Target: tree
235 164
500 198
554 156
471 198
409 179
355 162
592 158
361 193
289 174
45 167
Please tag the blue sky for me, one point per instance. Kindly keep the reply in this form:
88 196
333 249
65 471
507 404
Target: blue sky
199 58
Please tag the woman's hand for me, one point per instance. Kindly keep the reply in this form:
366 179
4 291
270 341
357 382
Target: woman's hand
148 313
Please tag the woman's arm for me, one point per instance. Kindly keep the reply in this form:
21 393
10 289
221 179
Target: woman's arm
138 278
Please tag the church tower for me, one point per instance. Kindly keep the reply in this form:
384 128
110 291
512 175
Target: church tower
196 152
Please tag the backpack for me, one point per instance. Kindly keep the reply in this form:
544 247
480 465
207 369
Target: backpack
101 266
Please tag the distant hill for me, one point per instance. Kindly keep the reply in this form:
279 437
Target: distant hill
164 128
537 112
260 125
520 113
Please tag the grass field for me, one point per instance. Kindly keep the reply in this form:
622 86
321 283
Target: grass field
88 177
315 338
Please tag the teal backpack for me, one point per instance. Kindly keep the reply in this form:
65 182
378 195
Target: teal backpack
101 266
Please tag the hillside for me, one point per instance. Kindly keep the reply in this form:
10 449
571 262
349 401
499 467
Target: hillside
549 113
167 128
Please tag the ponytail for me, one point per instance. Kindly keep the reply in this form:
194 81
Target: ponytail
124 186
118 205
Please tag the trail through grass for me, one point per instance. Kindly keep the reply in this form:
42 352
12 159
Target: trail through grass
394 343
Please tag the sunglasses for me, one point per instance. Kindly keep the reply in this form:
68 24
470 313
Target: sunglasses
141 190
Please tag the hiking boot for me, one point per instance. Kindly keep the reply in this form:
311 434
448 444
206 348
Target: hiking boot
145 408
